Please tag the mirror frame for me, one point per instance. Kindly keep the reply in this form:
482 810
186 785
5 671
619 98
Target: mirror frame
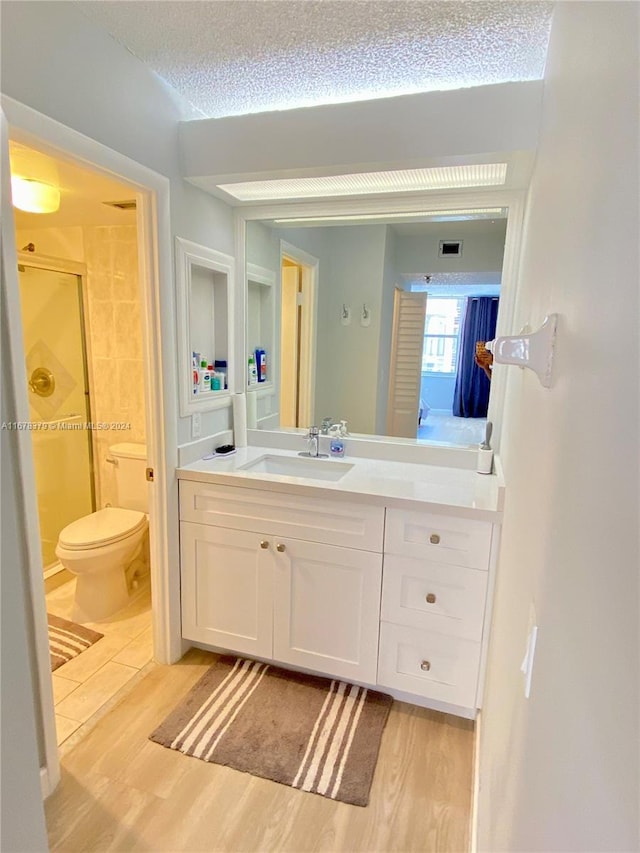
513 200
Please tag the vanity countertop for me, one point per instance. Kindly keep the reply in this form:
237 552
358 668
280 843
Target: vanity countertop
403 485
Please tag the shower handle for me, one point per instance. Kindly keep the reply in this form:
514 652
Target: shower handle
42 382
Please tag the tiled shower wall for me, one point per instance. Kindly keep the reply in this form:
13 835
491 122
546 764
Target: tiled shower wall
114 345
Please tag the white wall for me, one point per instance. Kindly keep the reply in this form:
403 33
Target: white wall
401 132
560 771
22 827
482 248
59 63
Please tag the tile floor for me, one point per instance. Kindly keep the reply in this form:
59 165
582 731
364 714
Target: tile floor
84 687
446 428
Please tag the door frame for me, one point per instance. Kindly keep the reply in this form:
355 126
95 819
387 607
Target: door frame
155 265
307 362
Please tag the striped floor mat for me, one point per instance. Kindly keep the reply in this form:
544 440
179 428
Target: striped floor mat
68 639
300 730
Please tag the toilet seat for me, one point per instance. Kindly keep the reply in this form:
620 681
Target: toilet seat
104 527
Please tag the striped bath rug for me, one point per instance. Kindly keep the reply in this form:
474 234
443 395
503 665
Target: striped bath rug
311 733
68 639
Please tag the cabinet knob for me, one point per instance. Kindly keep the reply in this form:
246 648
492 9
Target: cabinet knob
431 599
425 666
264 544
280 547
434 539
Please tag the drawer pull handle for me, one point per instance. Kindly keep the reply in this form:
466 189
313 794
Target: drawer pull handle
431 599
264 544
280 547
434 539
425 666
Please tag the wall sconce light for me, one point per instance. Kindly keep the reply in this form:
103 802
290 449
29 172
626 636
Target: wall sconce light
345 315
365 316
34 196
533 350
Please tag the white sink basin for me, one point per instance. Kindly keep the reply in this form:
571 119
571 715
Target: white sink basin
294 466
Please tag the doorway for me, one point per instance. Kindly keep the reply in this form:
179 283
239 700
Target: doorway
82 332
298 278
150 191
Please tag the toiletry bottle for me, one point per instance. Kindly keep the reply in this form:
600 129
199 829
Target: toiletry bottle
220 366
253 376
261 365
205 379
336 447
195 367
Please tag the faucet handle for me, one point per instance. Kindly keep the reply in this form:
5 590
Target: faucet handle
313 431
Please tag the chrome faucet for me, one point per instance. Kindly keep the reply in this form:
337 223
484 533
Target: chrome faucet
313 444
326 424
313 441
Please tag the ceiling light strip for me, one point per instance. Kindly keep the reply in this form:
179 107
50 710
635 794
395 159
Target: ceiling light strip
476 211
364 183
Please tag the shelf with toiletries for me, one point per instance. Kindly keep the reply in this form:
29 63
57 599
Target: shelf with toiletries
204 280
260 326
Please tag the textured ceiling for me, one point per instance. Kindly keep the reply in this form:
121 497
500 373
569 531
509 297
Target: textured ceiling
230 57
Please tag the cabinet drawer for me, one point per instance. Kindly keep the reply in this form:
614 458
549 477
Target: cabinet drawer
427 664
313 519
446 599
440 538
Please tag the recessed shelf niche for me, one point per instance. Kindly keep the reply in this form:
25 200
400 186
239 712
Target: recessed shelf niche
261 317
205 307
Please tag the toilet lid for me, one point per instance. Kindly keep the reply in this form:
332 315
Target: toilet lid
101 528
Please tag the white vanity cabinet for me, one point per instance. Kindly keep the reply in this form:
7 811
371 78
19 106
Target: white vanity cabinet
434 605
250 586
389 597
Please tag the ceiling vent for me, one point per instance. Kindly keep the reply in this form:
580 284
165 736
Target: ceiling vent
450 249
122 205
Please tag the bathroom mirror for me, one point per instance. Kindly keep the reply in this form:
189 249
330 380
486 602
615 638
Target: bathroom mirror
204 281
368 319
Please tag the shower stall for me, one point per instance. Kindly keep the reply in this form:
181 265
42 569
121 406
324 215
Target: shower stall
55 349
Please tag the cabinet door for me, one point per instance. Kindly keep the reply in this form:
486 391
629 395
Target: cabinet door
327 608
226 589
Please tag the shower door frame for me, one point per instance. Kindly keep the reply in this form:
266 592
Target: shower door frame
62 265
156 275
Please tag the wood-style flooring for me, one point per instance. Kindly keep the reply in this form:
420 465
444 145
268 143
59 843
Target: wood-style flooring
121 792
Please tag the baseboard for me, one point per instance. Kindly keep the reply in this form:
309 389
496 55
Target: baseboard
46 785
473 826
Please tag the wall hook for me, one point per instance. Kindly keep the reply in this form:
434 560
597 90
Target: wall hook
534 350
345 315
365 317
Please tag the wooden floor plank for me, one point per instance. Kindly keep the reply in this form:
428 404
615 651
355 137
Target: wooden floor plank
120 792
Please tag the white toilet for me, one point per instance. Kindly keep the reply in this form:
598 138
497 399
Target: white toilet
99 547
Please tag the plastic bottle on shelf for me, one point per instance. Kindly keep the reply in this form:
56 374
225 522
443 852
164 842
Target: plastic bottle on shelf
195 365
253 375
220 366
261 365
205 380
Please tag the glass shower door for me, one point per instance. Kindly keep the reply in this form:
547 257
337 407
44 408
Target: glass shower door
55 355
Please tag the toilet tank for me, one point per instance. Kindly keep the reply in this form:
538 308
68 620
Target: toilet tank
131 482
